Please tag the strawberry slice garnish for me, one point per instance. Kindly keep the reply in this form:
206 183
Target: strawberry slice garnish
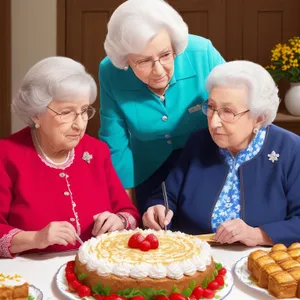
145 246
76 284
152 239
84 291
71 276
135 240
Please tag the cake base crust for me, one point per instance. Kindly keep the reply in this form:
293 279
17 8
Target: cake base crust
120 283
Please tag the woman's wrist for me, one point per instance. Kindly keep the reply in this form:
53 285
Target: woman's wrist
262 238
123 220
23 241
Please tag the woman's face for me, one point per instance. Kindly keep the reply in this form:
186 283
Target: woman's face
156 76
58 132
234 135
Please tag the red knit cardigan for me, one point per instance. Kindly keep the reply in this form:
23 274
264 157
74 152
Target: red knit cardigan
33 194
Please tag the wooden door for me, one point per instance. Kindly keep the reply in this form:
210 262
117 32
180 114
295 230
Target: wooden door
83 37
266 23
5 69
206 18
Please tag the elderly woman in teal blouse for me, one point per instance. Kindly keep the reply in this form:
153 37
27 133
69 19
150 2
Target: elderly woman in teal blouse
151 88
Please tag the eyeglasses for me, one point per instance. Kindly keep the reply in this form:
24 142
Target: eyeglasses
225 114
69 116
148 64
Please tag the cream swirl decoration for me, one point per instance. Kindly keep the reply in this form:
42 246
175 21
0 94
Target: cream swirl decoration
178 254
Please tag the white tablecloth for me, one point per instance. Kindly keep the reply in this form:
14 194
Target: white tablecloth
40 270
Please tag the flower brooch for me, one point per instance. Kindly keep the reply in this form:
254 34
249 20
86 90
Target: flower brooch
87 157
273 156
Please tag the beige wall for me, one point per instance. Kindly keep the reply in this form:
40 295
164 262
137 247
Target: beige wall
33 38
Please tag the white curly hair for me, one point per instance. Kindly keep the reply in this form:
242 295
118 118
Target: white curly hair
263 99
136 22
56 77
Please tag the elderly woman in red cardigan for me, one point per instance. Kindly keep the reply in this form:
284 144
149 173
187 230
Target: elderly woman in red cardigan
57 182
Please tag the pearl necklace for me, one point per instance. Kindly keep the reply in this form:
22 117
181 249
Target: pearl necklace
45 155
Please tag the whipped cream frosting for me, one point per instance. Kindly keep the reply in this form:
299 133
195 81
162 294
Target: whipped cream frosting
178 254
11 280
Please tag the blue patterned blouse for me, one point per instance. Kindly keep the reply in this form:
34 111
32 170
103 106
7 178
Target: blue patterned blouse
228 205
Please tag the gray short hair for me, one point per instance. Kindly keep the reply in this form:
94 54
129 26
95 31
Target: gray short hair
56 77
263 99
136 22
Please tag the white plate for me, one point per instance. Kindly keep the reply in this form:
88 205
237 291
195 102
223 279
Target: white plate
35 292
242 273
62 285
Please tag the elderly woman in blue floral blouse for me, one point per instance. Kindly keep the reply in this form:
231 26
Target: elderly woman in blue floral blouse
240 178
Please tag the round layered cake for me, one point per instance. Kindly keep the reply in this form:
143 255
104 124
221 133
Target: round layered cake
178 259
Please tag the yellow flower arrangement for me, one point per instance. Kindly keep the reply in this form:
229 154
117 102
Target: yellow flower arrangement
285 61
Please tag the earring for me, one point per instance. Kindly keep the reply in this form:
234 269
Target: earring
255 130
125 68
36 125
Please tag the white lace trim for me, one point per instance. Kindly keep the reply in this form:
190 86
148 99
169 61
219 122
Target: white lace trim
130 220
63 166
5 243
73 206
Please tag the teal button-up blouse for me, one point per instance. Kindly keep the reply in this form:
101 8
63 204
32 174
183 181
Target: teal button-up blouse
140 128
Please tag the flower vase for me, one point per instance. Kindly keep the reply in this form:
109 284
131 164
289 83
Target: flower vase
292 99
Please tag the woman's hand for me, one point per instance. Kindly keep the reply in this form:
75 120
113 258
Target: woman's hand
238 231
107 222
55 233
155 218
